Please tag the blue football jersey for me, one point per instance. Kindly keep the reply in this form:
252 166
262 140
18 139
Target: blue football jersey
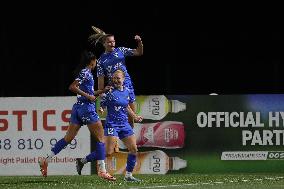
109 62
116 102
86 81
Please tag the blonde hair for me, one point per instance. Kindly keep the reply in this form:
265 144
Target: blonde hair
119 71
98 37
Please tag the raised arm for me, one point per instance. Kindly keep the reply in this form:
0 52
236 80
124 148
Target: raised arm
139 50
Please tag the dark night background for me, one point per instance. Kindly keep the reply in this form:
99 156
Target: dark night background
188 49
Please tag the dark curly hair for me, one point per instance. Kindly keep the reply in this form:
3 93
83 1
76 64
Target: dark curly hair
85 60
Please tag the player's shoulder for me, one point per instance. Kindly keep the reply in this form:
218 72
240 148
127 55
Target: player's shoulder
110 91
126 89
102 57
121 48
84 71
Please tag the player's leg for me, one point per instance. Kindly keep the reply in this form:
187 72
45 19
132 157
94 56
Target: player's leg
130 143
61 144
94 129
109 146
128 138
97 131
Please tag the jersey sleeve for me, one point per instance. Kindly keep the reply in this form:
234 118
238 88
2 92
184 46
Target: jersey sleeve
130 97
103 102
126 51
82 76
100 70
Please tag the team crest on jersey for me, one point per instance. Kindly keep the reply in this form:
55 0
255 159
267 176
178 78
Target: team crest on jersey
117 108
115 54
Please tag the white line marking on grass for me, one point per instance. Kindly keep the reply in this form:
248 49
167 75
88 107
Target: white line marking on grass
178 185
218 182
206 183
270 178
165 186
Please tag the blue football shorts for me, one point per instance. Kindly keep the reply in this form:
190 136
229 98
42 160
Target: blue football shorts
84 114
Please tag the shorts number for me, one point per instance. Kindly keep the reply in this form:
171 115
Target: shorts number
110 131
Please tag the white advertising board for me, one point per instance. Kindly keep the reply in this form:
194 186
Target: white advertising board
30 126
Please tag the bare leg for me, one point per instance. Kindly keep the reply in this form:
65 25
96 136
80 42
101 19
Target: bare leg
97 131
71 132
61 144
130 143
110 144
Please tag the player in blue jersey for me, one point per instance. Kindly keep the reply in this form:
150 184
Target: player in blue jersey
84 113
114 58
117 101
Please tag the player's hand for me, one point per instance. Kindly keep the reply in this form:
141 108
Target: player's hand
92 98
137 38
107 88
138 118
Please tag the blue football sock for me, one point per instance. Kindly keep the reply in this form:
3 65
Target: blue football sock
131 161
99 154
101 151
59 146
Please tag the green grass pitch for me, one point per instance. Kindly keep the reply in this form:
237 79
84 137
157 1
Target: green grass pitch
211 181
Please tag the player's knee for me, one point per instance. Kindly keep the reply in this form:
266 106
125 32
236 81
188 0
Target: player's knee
133 149
109 152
